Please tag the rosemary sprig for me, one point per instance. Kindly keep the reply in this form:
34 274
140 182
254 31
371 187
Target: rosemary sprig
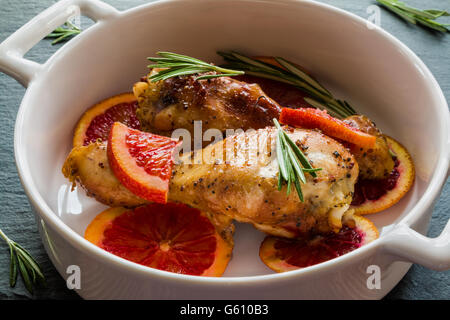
417 16
23 262
292 163
174 64
319 96
64 33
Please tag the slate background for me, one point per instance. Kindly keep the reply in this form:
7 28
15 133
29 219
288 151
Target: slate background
16 218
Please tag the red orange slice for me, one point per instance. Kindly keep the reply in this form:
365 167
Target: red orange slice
282 254
372 196
141 161
171 237
97 121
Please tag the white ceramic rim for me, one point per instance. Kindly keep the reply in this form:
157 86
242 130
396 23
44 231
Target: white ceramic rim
429 196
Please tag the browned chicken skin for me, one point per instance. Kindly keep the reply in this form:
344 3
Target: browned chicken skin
237 190
376 162
220 103
225 103
243 184
89 167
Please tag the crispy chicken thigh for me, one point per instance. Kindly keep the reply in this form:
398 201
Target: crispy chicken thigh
238 177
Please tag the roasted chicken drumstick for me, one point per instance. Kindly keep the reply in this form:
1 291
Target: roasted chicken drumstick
238 178
225 103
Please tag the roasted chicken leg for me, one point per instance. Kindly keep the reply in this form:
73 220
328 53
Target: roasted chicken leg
238 177
225 103
89 167
220 103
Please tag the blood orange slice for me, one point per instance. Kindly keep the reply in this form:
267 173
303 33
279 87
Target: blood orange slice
171 237
373 196
141 161
282 254
97 121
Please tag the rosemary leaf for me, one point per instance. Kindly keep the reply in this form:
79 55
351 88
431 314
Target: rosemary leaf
29 260
210 76
299 189
179 57
25 276
280 180
295 164
290 158
437 13
413 11
290 75
174 65
176 72
280 157
417 16
291 176
431 24
253 62
23 262
302 158
169 65
292 68
13 267
64 33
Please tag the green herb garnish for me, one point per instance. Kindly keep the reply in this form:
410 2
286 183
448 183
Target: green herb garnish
174 64
292 163
319 96
23 262
64 33
417 16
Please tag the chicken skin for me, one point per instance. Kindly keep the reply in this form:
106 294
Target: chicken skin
89 167
225 103
220 103
238 178
375 162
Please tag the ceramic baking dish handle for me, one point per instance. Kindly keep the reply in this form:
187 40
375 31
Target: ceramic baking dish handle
448 150
19 43
408 245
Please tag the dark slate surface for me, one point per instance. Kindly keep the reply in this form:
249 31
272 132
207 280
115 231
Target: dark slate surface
17 220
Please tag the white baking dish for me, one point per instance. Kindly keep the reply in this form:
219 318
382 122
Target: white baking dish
367 66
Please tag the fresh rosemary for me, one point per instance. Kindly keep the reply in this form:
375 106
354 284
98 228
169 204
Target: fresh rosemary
319 96
417 16
292 163
174 64
64 33
23 262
